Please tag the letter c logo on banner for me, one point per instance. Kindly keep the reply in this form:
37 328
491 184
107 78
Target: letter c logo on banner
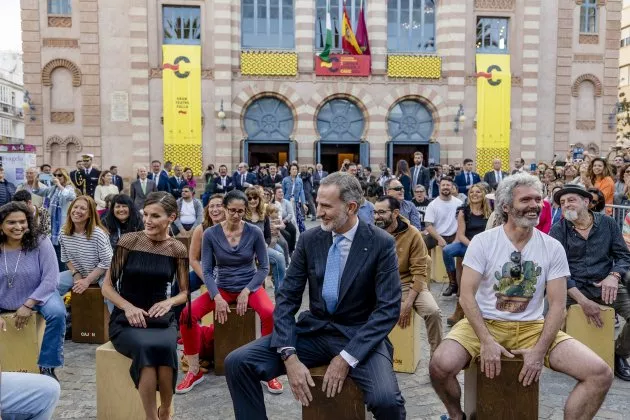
494 82
176 62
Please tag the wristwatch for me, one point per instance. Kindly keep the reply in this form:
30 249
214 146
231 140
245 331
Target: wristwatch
286 353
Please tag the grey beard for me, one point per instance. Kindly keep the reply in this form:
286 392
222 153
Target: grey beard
570 215
524 222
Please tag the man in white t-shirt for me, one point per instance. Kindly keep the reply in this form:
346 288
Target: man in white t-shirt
440 218
190 212
506 273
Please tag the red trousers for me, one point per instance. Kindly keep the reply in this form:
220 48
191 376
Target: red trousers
194 336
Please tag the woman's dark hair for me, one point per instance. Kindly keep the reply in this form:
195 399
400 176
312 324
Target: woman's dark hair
601 200
22 196
296 167
234 195
30 238
134 223
164 200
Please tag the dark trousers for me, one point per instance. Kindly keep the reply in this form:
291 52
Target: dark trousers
432 243
246 366
290 234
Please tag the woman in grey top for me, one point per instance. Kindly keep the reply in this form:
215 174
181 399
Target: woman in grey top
233 246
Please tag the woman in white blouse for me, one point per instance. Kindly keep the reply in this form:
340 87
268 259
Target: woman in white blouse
103 189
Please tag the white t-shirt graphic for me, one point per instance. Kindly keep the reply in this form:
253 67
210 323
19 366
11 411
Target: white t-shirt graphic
512 288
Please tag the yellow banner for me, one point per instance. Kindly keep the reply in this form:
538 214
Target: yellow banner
181 86
494 90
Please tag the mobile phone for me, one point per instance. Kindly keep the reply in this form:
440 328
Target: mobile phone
533 167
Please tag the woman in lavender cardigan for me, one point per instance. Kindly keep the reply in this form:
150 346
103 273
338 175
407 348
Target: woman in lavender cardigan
28 281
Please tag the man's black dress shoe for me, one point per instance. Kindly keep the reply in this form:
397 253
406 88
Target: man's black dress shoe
622 368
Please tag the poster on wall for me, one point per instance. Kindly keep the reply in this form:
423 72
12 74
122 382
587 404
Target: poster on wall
181 85
343 65
15 158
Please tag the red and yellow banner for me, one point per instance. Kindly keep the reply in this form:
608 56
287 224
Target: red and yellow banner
494 90
181 85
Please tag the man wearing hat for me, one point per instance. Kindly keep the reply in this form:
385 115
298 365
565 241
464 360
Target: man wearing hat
91 174
598 260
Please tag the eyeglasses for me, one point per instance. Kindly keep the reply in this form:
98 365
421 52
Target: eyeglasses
251 198
240 212
419 191
517 270
396 188
381 212
86 160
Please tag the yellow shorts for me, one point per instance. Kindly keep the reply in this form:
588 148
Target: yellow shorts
512 335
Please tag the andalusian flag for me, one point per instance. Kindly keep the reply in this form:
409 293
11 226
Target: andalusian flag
325 55
349 41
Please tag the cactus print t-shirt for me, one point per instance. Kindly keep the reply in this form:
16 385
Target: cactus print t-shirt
513 284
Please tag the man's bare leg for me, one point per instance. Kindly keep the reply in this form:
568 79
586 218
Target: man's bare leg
594 378
448 360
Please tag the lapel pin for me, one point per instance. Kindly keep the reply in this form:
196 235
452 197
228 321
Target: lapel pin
364 249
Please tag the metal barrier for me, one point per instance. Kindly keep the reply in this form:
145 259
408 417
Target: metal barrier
619 213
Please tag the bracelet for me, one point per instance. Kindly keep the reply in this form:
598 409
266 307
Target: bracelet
616 275
27 307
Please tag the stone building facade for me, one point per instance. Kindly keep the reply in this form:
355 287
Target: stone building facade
11 98
93 68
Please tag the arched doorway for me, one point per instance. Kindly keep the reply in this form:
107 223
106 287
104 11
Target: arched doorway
410 126
268 122
340 123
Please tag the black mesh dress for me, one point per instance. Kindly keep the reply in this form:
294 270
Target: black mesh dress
141 271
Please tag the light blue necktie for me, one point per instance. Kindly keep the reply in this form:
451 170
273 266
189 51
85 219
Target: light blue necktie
330 291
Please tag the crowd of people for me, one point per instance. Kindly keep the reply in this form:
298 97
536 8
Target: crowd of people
536 233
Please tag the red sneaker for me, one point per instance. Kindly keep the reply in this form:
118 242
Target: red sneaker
189 382
273 386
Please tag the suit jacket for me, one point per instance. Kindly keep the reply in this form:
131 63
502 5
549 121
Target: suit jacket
250 178
491 178
369 292
78 179
462 184
176 186
162 181
317 179
218 186
271 181
422 177
91 181
137 196
118 181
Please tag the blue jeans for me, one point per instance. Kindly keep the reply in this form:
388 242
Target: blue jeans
66 282
450 252
28 396
278 266
54 312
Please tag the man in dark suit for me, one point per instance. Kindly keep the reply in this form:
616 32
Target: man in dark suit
177 182
419 173
223 183
318 175
354 292
276 177
466 178
140 188
91 175
159 176
77 176
244 179
495 176
116 179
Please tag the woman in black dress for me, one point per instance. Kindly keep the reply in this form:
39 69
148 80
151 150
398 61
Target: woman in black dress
143 326
121 218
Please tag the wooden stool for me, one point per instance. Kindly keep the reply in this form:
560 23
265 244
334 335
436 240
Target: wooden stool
438 271
116 395
600 340
348 405
406 344
19 350
90 317
502 397
236 332
207 320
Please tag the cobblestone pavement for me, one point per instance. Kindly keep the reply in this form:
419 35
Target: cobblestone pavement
211 399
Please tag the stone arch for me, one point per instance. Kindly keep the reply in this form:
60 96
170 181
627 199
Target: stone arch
62 151
52 140
61 62
351 98
593 149
575 89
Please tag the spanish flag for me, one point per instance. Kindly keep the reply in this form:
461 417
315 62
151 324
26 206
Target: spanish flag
349 41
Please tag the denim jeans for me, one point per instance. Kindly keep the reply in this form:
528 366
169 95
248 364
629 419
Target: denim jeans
66 282
278 266
449 252
28 396
54 312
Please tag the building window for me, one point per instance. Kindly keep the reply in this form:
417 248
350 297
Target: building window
182 25
267 24
353 8
411 121
588 16
268 119
6 129
492 35
624 76
59 7
625 37
340 120
411 25
5 95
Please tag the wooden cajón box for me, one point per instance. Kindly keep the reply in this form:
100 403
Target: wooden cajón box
19 350
600 340
90 317
406 344
236 332
348 405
